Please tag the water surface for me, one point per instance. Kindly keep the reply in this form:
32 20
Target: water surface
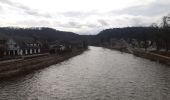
97 74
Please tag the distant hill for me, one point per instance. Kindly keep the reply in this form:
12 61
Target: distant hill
160 36
90 39
42 34
129 32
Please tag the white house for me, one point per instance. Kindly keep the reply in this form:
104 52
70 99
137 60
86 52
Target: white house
12 48
15 48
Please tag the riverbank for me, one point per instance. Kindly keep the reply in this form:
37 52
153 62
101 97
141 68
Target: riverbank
25 66
154 56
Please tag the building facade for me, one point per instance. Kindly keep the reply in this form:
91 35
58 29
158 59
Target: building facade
2 48
14 48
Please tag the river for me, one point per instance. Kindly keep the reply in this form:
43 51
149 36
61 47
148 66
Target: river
97 74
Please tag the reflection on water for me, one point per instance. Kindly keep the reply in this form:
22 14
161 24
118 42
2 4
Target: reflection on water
97 74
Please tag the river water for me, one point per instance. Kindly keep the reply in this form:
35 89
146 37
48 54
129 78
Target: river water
97 74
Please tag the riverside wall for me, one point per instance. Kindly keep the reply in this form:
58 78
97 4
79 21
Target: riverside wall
26 66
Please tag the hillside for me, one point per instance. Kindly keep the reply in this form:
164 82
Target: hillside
155 35
42 34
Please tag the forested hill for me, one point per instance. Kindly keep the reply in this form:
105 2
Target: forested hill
139 33
41 34
160 36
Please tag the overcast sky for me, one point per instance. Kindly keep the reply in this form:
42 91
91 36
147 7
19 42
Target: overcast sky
82 16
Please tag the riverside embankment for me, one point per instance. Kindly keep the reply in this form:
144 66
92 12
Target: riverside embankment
152 56
144 54
24 66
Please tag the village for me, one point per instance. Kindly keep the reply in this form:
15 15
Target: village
13 48
147 49
20 57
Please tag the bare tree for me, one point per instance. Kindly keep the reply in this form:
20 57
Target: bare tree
166 26
165 22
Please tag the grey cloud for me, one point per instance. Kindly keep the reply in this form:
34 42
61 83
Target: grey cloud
134 16
103 22
78 25
153 9
7 2
30 23
70 24
25 9
74 24
78 14
92 25
73 14
1 8
36 13
136 21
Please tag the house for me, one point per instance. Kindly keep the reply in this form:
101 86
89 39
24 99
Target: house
29 48
2 48
118 43
57 47
77 44
13 48
19 48
134 43
66 46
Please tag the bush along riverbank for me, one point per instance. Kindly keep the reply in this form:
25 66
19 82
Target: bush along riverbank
26 66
